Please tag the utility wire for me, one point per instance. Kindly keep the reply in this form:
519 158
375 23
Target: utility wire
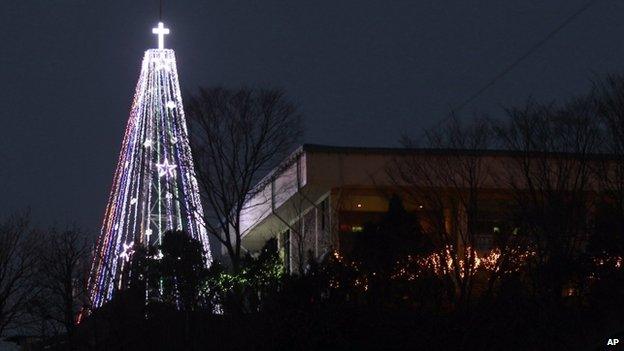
531 50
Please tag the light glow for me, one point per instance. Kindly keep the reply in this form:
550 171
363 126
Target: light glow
161 31
165 168
126 252
154 187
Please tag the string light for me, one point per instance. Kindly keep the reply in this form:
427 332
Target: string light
154 187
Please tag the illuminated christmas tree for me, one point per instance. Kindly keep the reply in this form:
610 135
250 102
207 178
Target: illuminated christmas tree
154 188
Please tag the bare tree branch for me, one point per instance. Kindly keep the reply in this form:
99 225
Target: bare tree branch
18 260
237 136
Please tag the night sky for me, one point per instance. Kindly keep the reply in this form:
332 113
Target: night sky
364 72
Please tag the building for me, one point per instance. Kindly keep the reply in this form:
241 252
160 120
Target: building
321 197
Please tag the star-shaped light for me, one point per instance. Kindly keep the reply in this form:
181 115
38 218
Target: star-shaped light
166 168
148 143
171 104
126 252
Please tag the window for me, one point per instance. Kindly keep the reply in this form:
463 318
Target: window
286 246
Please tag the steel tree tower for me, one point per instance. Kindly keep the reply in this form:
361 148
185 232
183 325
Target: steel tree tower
154 188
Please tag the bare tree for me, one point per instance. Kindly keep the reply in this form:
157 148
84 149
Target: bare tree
608 99
62 273
448 180
550 174
17 269
302 232
236 137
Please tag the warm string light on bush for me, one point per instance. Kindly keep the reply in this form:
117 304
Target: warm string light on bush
444 262
154 188
440 263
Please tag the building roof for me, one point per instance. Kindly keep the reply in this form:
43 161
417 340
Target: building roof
332 149
318 148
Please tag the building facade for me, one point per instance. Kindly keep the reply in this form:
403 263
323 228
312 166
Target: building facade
321 197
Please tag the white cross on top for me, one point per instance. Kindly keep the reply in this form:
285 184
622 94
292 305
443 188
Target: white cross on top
161 31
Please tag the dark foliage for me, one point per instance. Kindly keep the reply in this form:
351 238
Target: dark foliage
398 234
181 270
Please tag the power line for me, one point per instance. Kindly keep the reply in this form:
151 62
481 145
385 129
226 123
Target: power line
525 55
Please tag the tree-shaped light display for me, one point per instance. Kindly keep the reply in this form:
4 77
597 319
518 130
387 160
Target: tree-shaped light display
154 188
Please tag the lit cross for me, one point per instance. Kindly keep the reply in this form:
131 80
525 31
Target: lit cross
166 168
161 31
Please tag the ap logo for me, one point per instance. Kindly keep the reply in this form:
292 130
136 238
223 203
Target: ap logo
613 342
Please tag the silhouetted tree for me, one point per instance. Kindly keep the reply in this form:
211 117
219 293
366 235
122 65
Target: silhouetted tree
382 245
608 98
181 270
449 181
18 263
62 271
551 176
606 244
397 234
237 136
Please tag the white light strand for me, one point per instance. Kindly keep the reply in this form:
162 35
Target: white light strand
154 188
